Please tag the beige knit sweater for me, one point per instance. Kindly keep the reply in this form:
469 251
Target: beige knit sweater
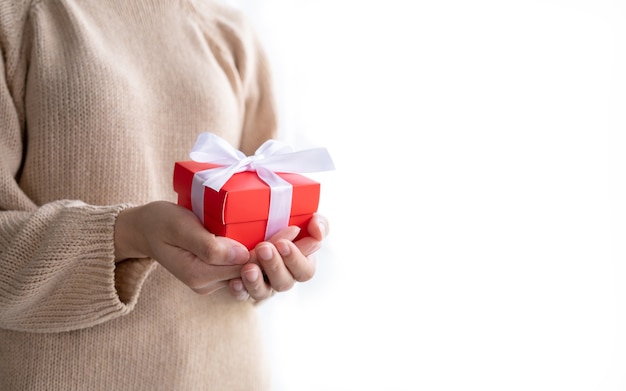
98 99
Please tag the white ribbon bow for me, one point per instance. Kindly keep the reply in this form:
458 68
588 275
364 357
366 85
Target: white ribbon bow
271 157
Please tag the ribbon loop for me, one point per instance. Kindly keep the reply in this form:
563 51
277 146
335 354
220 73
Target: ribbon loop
271 157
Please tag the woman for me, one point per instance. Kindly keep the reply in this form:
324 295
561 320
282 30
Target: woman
105 283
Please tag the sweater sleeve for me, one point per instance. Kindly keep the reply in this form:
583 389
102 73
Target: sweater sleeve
57 268
58 271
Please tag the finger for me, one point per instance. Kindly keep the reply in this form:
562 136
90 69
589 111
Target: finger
197 274
279 277
187 232
318 227
255 285
214 250
238 289
210 289
318 230
301 267
288 233
308 245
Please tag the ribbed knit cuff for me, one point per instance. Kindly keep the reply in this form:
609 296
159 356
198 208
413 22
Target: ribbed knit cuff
64 270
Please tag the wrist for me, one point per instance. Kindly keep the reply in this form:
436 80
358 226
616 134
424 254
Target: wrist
126 236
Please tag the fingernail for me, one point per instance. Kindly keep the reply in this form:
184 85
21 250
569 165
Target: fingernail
322 229
283 248
264 252
251 275
238 254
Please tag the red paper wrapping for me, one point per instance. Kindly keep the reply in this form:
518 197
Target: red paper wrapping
240 209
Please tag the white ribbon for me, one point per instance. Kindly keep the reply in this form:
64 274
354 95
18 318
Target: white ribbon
271 157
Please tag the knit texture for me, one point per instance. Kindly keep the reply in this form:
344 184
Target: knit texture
98 99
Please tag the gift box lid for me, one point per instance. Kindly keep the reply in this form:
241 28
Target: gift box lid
245 197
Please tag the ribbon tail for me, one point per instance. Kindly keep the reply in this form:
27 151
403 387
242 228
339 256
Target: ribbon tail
306 161
217 177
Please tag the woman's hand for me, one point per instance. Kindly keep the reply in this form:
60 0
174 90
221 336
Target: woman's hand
174 237
277 264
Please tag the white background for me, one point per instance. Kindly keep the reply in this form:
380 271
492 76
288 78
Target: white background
478 209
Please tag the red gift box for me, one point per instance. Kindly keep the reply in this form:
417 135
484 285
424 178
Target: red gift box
239 210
